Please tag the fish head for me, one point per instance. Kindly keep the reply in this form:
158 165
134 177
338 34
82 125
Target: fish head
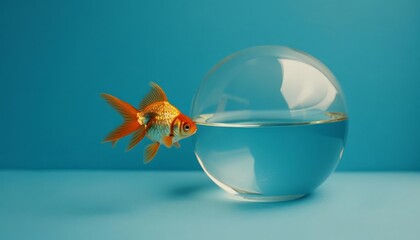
186 126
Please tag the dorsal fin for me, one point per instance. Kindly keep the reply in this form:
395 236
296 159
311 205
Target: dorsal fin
156 94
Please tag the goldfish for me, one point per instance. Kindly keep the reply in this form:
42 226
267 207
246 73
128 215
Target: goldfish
155 118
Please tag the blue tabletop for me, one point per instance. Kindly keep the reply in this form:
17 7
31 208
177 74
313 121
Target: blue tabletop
187 205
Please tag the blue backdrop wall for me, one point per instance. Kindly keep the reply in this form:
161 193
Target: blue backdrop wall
56 57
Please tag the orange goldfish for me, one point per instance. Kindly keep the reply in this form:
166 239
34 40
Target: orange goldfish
155 118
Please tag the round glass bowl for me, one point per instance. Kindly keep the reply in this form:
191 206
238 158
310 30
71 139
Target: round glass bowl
272 123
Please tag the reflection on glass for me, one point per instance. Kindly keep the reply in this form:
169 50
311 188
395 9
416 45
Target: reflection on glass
305 87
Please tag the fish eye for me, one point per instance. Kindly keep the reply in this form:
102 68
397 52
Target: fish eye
186 127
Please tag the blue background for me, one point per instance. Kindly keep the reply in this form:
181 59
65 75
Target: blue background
56 57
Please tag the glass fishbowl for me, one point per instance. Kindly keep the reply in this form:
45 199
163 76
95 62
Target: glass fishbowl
272 123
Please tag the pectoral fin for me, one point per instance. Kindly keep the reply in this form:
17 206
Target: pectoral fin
167 140
150 152
177 145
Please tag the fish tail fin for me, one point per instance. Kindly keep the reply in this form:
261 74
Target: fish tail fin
128 112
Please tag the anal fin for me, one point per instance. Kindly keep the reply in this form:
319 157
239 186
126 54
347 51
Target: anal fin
137 137
150 152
